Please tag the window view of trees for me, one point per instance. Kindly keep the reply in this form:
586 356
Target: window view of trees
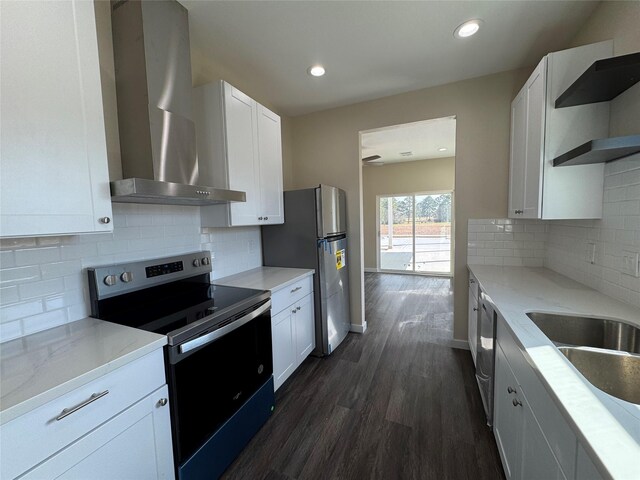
420 240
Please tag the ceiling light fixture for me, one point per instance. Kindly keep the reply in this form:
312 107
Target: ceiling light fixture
467 29
442 149
316 70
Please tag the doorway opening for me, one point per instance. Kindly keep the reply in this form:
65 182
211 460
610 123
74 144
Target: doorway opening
414 233
408 199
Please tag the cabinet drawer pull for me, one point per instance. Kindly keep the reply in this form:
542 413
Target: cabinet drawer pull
516 402
298 308
518 212
511 390
293 311
68 411
296 289
266 218
471 280
475 309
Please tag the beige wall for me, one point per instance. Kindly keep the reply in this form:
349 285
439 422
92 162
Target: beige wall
619 21
409 177
326 149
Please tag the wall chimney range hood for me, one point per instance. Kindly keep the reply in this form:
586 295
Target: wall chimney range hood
153 88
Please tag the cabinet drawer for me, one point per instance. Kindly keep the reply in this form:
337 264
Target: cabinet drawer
290 294
33 437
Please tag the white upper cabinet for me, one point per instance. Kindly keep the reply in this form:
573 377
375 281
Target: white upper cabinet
240 148
540 132
53 171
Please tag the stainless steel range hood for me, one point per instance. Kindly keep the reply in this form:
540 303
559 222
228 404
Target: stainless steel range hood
153 87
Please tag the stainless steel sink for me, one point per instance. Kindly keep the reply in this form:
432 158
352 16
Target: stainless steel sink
615 373
588 331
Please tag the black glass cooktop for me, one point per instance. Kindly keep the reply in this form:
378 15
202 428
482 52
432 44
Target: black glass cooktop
165 308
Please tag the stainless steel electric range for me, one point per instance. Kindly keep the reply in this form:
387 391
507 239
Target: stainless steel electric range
218 358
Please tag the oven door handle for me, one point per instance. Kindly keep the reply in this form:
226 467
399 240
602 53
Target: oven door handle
221 332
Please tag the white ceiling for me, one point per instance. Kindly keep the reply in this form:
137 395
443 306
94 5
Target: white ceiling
422 139
372 49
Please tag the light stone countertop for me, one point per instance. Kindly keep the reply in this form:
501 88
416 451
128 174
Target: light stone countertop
265 278
43 366
607 428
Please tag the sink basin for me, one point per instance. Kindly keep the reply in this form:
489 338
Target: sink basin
615 373
588 331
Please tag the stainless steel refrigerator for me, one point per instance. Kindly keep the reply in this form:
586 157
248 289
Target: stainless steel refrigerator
314 236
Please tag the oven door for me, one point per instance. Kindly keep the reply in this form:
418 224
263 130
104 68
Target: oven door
211 376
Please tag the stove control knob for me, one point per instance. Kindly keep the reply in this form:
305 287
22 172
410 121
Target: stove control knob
110 280
126 277
196 263
205 261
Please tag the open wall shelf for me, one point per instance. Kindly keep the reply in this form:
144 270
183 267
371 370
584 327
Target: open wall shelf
600 151
602 81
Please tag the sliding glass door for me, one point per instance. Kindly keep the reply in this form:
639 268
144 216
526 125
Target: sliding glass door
414 233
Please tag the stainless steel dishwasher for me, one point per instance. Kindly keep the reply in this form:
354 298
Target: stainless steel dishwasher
486 354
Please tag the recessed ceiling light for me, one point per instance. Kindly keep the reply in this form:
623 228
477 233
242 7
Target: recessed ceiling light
442 149
316 70
467 29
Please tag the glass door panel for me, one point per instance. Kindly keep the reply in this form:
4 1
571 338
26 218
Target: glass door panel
415 233
396 233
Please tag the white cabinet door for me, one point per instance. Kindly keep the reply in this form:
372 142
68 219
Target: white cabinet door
527 146
270 152
585 469
134 444
239 147
473 322
304 328
242 157
517 155
534 98
507 418
537 460
283 345
53 173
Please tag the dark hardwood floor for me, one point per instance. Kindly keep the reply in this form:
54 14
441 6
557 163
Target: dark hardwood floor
394 403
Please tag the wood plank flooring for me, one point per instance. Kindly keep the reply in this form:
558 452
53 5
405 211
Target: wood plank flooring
394 403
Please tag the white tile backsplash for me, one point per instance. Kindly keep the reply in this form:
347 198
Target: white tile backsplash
618 230
562 245
504 241
42 279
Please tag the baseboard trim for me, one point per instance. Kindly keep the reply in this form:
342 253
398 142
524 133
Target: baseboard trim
358 328
371 270
460 344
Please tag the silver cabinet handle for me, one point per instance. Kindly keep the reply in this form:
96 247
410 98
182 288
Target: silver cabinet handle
475 309
68 411
471 280
266 218
162 402
293 311
104 220
516 402
259 218
298 308
511 390
296 289
518 212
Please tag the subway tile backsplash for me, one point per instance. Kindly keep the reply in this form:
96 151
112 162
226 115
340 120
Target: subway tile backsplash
43 283
504 241
565 245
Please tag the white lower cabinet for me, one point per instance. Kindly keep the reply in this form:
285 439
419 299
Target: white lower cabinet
116 426
523 447
292 328
283 346
472 329
134 444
